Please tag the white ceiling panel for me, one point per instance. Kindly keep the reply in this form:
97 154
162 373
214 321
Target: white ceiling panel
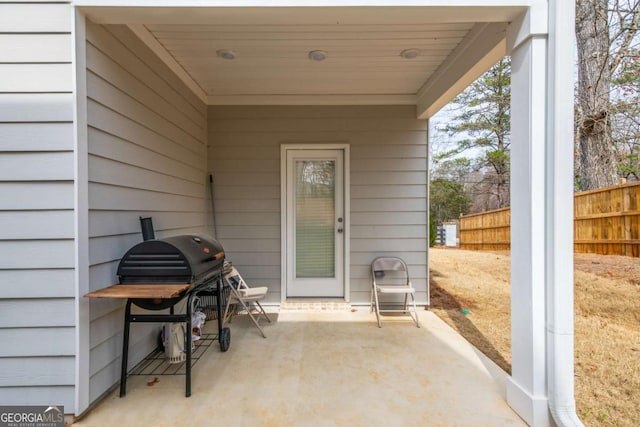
363 48
273 59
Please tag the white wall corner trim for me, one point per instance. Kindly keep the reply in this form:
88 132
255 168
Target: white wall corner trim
81 210
143 34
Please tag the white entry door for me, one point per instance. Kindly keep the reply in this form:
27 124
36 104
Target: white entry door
315 223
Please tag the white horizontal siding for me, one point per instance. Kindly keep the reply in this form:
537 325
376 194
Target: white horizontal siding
36 136
389 205
40 107
29 313
253 245
108 171
388 184
36 166
387 231
20 254
163 104
137 351
22 340
41 395
248 232
31 78
108 223
110 248
369 191
388 164
311 112
240 192
383 218
37 287
147 157
36 18
237 206
145 114
114 197
388 178
37 371
35 48
37 283
383 139
114 124
377 244
320 124
42 195
365 258
167 82
109 146
41 224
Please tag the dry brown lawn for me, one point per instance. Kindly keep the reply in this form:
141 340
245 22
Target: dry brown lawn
607 323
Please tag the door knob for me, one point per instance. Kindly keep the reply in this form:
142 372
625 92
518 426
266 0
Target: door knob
340 230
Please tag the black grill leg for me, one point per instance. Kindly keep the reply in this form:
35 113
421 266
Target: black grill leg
219 305
187 343
125 349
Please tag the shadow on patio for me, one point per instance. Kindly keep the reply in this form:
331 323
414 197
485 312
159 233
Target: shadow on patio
329 368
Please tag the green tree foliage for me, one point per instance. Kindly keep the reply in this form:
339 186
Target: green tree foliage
481 128
432 231
447 200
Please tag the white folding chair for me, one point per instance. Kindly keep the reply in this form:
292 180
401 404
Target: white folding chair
390 275
248 298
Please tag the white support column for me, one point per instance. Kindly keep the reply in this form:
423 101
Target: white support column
527 387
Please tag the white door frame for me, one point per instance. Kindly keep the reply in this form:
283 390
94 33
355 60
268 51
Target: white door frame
283 211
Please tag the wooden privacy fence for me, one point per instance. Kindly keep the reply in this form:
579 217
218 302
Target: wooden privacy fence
486 231
605 222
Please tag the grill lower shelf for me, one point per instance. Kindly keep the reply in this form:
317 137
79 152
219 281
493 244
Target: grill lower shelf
156 363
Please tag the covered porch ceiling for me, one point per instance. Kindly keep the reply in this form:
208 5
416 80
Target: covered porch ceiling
364 64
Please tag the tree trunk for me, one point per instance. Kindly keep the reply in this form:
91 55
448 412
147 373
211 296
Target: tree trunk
595 151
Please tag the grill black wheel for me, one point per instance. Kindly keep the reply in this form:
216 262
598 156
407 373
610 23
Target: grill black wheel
225 339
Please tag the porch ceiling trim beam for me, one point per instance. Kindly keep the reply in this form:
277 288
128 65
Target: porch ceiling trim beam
308 12
481 48
399 99
152 43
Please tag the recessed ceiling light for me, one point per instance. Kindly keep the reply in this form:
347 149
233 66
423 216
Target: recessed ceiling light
410 53
317 55
226 53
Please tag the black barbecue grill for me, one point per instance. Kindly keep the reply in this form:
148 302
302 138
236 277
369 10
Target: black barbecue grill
185 259
179 259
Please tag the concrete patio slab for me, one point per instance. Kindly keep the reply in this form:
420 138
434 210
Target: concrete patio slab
324 369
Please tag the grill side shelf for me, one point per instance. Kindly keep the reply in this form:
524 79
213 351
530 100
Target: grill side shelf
137 291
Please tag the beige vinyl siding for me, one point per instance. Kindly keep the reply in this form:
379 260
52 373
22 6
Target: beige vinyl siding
388 185
147 157
37 286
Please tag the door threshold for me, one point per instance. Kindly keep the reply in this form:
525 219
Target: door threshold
315 305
